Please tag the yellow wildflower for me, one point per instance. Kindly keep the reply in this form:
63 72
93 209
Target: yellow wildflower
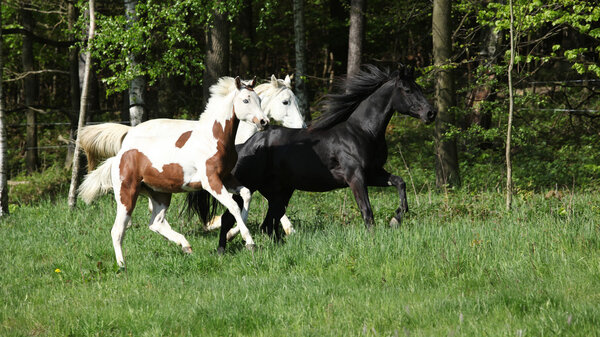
57 270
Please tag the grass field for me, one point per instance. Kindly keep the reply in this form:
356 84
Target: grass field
459 265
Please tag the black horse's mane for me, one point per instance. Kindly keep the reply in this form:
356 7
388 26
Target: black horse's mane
354 90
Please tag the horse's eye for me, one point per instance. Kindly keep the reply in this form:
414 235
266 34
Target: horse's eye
245 101
286 102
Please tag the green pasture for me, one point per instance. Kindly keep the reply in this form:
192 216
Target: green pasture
460 265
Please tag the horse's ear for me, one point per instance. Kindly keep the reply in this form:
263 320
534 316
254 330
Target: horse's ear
273 80
287 81
238 83
253 82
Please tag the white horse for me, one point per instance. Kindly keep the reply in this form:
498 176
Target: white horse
280 104
164 156
278 101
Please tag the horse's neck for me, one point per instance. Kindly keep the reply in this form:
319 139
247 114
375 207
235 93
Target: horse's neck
220 120
374 113
244 132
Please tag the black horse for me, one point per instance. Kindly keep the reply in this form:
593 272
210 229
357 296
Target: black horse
345 147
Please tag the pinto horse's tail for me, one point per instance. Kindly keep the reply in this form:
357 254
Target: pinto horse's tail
97 182
101 141
201 203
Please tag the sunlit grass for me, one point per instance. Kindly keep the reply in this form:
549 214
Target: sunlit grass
459 265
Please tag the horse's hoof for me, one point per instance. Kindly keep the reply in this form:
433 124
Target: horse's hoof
221 250
394 223
251 247
187 250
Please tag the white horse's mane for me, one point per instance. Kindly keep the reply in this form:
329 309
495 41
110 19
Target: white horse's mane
271 90
220 95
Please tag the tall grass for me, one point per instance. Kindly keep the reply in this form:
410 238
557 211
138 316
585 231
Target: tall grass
459 265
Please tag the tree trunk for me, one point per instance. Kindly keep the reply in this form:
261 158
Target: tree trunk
355 38
510 113
300 46
74 86
137 86
337 37
217 52
247 32
30 84
3 145
484 92
82 109
446 171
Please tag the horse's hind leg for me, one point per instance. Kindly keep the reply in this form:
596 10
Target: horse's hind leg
287 225
159 224
278 201
361 195
118 233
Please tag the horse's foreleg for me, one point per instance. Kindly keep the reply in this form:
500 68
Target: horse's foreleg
226 198
383 178
158 222
216 222
227 221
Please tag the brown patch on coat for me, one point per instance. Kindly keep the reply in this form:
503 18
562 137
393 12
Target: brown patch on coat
135 168
219 166
183 139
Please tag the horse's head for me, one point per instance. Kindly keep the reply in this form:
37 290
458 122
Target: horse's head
279 102
247 104
408 98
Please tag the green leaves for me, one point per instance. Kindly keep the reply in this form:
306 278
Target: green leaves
166 40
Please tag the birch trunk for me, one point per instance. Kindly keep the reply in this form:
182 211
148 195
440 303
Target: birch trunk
137 86
82 109
509 190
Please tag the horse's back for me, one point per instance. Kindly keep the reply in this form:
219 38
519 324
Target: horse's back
282 158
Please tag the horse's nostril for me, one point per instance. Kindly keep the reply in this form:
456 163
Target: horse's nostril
431 114
264 122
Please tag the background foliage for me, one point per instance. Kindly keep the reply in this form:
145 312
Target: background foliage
556 122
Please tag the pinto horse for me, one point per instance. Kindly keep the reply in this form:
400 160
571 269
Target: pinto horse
277 100
345 147
163 156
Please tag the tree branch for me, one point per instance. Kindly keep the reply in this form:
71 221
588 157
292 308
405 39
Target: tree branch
37 38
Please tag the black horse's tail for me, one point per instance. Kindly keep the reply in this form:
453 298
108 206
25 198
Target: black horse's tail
201 203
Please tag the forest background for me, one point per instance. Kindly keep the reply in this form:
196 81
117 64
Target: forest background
156 59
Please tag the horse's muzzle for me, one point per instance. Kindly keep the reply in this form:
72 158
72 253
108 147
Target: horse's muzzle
430 116
260 123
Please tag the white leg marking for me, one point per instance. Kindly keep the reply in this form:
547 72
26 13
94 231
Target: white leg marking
226 199
214 223
159 224
247 197
118 233
287 225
